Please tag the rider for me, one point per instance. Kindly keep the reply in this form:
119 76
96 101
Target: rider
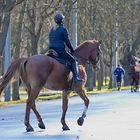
58 38
119 73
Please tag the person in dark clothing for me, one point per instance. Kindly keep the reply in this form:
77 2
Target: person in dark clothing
119 73
59 39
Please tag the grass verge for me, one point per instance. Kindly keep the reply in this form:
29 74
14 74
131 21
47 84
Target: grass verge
59 95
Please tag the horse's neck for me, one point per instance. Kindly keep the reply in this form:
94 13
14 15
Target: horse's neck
81 61
82 55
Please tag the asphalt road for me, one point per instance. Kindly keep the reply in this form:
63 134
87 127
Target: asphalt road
111 116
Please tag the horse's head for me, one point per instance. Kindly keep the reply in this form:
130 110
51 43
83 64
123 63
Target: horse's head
89 51
135 61
95 53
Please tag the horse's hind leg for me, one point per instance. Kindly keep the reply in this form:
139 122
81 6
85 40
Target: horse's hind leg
132 85
137 84
40 124
65 97
33 93
86 101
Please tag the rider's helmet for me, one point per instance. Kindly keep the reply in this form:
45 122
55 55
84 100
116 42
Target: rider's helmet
58 18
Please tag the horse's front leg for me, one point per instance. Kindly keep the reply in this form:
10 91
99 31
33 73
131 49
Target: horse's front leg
82 94
65 97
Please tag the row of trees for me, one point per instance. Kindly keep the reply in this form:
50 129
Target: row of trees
31 21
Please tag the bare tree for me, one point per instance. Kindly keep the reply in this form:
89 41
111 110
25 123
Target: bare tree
6 7
17 45
38 13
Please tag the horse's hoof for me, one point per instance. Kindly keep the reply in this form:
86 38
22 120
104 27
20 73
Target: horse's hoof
80 121
41 125
29 129
135 90
65 128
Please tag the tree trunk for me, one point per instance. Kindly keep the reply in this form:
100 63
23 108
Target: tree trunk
6 7
3 33
99 79
15 91
102 72
94 78
111 73
126 62
17 46
90 77
34 45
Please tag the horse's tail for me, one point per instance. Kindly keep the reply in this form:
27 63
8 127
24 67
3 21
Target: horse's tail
13 69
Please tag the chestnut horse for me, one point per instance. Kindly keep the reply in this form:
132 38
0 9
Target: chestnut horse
134 73
40 71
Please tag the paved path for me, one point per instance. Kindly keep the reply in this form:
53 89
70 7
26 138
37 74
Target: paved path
111 116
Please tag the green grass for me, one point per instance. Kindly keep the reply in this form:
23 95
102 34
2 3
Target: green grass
59 95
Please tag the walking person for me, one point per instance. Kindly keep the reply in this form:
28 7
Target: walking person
119 73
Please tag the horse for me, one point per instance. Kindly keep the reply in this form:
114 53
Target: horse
40 71
133 72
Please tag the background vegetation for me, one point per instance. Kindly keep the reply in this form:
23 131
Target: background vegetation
31 21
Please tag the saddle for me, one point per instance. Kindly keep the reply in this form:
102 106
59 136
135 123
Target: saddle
53 54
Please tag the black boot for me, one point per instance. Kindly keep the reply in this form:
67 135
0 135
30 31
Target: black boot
75 74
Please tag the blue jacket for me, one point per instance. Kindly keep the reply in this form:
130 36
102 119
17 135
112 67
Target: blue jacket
119 72
59 37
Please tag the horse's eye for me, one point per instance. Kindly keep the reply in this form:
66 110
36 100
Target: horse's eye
139 61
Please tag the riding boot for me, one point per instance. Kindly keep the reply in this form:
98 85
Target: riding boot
75 74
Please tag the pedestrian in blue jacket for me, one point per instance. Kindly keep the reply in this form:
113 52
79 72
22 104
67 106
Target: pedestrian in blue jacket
119 73
59 39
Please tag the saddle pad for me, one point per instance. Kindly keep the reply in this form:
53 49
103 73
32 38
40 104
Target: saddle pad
60 60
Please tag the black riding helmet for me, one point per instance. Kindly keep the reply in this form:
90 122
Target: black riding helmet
58 18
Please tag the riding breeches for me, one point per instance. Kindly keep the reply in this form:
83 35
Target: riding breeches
66 55
74 68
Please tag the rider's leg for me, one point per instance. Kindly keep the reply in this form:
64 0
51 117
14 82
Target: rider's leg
119 82
74 68
75 73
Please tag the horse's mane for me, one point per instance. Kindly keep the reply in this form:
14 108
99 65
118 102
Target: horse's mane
85 44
